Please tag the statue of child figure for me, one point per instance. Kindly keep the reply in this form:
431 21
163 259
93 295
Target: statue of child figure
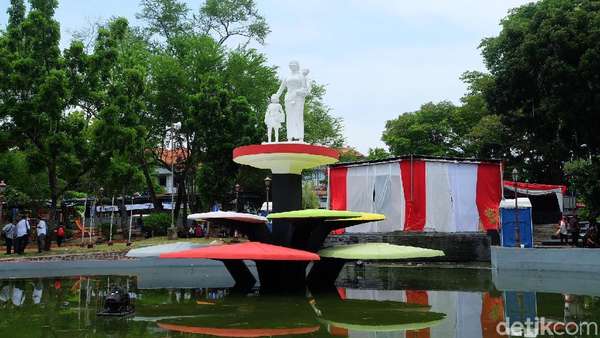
274 118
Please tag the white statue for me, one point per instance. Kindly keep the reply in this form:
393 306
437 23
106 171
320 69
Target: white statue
298 87
274 118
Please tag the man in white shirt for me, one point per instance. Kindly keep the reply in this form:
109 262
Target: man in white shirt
9 233
22 234
42 230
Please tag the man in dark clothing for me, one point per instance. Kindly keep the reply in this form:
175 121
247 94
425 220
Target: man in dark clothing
574 229
9 232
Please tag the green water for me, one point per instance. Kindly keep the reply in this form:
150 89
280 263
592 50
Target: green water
371 301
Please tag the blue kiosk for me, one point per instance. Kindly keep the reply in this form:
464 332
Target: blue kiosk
512 212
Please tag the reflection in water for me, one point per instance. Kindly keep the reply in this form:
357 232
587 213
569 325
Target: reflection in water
66 307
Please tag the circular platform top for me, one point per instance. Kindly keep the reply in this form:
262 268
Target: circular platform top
239 332
314 214
378 251
240 217
245 251
285 158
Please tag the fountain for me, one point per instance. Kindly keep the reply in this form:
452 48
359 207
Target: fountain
283 254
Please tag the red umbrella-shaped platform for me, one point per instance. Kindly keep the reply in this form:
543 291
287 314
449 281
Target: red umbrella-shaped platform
239 332
245 251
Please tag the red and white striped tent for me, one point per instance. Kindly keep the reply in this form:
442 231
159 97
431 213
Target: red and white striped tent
420 193
536 189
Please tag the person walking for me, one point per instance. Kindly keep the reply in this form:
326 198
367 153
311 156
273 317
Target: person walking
9 233
42 231
563 233
22 234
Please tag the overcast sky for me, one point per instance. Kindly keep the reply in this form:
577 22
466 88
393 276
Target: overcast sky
378 58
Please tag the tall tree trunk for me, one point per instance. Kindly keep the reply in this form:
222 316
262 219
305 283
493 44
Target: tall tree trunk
150 186
53 185
123 214
185 204
180 195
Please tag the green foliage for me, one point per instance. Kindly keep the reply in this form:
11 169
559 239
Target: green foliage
545 65
220 19
378 154
35 91
426 131
320 127
444 129
96 115
26 184
157 223
105 230
584 177
232 18
310 200
167 18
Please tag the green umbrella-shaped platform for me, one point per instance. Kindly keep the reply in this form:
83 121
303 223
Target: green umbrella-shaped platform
325 272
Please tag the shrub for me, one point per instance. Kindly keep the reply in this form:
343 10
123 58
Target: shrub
157 224
105 230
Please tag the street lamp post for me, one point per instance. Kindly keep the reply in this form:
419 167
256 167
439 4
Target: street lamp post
237 197
267 188
174 127
515 177
2 190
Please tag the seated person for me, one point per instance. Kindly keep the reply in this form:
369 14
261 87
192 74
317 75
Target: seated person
591 237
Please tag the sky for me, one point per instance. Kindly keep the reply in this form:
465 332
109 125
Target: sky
378 58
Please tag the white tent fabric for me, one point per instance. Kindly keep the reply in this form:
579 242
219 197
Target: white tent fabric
439 198
463 184
469 313
377 189
446 195
463 310
360 195
389 196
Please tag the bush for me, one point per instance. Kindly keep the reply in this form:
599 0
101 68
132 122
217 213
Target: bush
105 230
157 224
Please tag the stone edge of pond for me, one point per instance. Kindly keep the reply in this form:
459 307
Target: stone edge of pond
115 255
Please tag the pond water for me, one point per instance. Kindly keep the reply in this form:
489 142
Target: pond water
369 301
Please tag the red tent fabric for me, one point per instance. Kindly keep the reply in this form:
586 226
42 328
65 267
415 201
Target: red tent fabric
239 332
413 177
245 251
420 194
489 194
535 188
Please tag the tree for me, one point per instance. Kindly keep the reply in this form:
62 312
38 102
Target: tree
310 200
26 186
545 63
377 154
223 122
585 179
444 129
35 92
165 18
320 127
220 19
224 19
426 131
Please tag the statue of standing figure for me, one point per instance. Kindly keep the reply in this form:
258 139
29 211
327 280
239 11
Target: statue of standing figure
298 87
274 118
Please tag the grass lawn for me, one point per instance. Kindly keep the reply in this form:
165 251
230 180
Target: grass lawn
73 247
